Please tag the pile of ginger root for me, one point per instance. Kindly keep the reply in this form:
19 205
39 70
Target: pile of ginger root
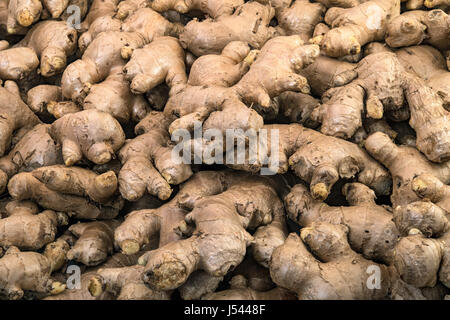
335 183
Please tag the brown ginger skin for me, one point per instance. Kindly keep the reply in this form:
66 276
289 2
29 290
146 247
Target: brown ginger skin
307 153
326 73
423 255
429 64
249 23
14 115
99 8
419 26
281 55
296 107
17 63
198 285
101 137
147 161
300 18
269 237
221 221
101 24
113 96
117 260
341 273
385 90
52 51
240 290
20 271
127 7
213 8
141 226
351 28
148 68
28 229
340 3
100 18
404 163
109 48
225 69
55 7
36 149
125 283
77 191
22 13
96 63
371 229
95 241
224 108
40 96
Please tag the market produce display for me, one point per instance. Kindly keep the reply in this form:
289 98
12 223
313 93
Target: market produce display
224 150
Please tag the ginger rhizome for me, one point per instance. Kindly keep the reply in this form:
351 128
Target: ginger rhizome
15 116
147 68
423 255
36 149
404 163
79 192
417 27
147 161
52 51
101 137
226 108
319 264
219 239
371 230
20 271
249 23
95 241
351 28
213 8
387 90
27 228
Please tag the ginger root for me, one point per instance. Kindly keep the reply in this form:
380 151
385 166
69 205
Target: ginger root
95 241
27 229
21 271
148 163
423 255
404 163
352 28
417 27
249 23
147 68
51 51
319 264
14 115
219 240
371 231
76 191
213 8
101 137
